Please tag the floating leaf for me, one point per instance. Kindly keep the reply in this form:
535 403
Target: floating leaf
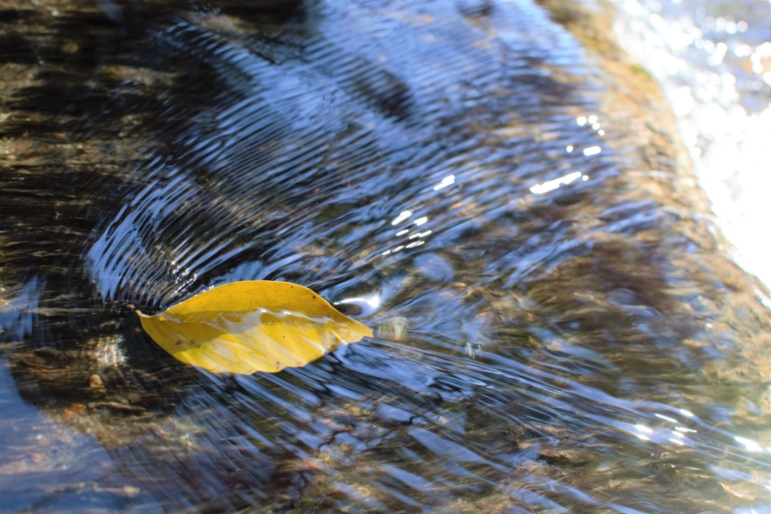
250 326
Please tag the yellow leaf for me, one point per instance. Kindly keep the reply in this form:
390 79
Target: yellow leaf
250 326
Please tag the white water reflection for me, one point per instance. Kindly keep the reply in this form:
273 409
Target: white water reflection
446 181
667 418
749 444
714 63
372 300
401 217
551 185
420 234
592 150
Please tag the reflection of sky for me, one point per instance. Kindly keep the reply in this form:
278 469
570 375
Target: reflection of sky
714 62
709 83
408 225
444 199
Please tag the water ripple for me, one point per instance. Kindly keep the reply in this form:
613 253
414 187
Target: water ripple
548 321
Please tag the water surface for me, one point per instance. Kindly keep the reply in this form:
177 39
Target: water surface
493 186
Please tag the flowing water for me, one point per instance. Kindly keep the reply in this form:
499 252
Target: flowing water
714 61
493 186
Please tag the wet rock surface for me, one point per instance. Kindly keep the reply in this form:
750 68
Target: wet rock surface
559 328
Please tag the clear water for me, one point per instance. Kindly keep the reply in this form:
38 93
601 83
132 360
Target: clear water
557 328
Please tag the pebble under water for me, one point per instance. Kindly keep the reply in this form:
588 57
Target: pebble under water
493 186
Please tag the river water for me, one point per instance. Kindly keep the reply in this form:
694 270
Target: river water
714 61
494 187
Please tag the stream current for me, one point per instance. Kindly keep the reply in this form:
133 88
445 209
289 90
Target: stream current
492 185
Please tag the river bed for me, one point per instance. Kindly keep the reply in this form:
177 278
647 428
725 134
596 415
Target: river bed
495 187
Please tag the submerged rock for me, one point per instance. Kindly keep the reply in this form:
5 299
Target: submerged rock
496 177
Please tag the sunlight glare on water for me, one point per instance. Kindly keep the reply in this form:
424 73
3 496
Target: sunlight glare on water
714 62
555 328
